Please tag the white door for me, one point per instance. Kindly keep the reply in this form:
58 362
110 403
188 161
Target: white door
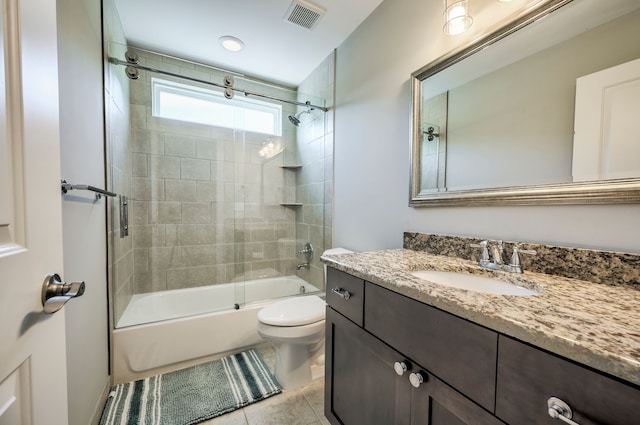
606 142
33 387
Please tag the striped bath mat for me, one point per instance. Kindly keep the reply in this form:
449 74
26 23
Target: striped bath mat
192 395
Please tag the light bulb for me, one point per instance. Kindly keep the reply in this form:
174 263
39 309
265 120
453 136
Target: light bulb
457 18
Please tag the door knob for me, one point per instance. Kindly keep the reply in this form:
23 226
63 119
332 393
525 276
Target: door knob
56 293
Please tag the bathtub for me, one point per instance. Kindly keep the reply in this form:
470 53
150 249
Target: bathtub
182 327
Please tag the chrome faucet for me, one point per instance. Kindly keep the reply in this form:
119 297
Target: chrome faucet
307 251
497 250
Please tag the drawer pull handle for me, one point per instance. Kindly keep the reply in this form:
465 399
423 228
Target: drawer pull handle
401 367
417 378
558 409
342 293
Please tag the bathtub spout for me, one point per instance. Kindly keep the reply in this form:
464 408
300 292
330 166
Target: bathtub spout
303 266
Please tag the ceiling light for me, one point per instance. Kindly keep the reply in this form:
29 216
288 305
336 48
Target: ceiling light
232 44
456 16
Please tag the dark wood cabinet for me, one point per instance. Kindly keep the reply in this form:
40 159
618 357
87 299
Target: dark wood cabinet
363 387
361 384
345 293
436 403
459 352
528 377
471 375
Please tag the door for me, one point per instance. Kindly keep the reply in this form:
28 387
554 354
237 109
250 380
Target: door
606 144
361 384
435 403
32 344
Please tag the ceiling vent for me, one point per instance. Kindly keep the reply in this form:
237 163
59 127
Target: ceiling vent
304 14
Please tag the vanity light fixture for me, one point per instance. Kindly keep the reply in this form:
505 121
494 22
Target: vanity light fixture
231 43
456 16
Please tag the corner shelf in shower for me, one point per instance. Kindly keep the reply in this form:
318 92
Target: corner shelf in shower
291 167
291 204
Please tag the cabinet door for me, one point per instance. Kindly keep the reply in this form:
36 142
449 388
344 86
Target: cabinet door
459 352
528 376
436 403
361 386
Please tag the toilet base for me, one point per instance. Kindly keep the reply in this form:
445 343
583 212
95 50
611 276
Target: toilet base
298 365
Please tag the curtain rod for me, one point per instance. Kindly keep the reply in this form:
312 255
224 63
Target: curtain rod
222 86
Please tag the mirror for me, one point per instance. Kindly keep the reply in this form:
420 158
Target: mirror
494 122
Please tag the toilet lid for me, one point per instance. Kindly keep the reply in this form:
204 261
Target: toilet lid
294 311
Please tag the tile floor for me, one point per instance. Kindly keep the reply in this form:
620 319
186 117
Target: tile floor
301 406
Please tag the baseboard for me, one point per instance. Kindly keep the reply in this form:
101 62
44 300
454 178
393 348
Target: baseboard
97 412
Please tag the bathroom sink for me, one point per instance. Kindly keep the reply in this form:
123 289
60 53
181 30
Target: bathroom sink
472 282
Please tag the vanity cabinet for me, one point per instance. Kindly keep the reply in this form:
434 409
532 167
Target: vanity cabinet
379 343
368 381
460 352
363 386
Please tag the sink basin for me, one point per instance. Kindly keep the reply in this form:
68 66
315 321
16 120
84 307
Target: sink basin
472 282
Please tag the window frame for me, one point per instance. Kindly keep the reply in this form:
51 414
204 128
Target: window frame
236 104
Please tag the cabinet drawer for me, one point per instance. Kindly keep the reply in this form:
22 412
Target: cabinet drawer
339 284
459 352
527 377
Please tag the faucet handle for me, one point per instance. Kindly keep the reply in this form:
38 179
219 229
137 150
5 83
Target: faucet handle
497 251
484 255
515 257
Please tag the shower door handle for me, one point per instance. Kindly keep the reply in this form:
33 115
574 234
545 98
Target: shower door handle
56 293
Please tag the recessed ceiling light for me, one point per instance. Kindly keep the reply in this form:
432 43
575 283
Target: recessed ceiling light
232 44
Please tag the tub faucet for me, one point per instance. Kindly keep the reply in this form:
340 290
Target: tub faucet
303 266
307 251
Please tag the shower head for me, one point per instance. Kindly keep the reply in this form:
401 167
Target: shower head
295 119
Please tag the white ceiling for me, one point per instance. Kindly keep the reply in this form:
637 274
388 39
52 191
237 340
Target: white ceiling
275 50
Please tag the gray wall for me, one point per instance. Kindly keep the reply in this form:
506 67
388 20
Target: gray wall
501 130
84 238
372 139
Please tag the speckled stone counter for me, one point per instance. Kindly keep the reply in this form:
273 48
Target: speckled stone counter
594 324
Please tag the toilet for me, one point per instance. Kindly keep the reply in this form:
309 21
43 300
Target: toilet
295 328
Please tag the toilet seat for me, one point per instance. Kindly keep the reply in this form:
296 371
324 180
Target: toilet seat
294 311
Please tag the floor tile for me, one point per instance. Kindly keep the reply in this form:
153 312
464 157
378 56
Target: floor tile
233 418
288 408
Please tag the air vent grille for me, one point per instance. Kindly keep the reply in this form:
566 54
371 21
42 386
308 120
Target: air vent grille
304 14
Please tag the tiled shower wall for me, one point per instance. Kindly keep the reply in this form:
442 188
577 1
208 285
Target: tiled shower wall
204 205
314 187
120 250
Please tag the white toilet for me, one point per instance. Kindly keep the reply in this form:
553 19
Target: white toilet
295 327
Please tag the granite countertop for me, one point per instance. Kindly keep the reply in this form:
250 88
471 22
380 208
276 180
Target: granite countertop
594 324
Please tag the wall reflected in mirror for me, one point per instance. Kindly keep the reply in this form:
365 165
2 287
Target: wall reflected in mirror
506 115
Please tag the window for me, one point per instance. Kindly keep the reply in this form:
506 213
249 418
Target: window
194 104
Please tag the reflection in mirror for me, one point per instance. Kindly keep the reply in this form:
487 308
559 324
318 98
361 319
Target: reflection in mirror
505 116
